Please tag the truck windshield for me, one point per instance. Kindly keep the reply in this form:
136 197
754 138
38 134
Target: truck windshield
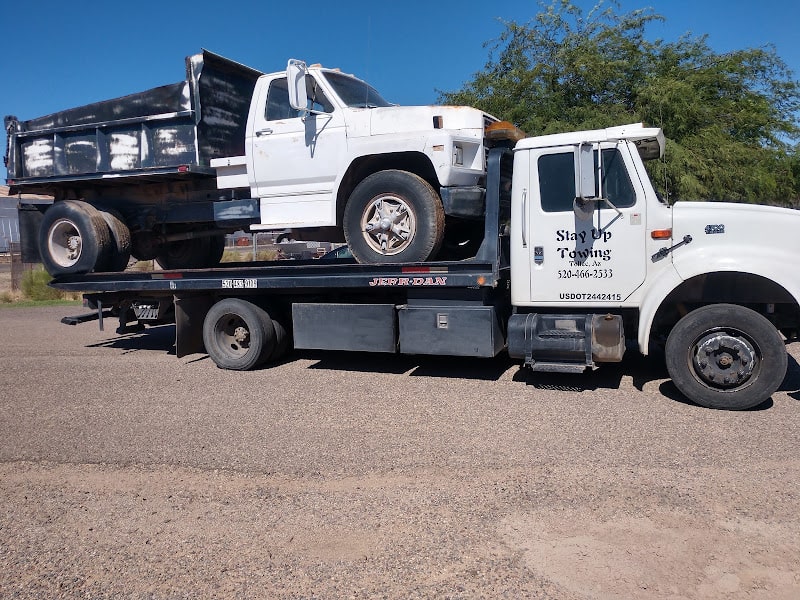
355 93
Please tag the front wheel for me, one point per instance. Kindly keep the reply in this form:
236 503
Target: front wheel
393 216
726 356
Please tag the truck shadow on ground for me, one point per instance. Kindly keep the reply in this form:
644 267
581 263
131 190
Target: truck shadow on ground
159 338
640 369
791 384
485 369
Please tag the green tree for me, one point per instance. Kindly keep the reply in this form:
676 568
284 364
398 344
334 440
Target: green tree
731 119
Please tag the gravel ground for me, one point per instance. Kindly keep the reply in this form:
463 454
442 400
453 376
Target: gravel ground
128 473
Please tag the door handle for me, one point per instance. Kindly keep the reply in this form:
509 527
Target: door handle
261 132
524 221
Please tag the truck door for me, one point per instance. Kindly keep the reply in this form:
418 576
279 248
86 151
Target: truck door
595 258
294 162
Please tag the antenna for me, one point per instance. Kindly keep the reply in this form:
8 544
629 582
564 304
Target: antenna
663 160
369 51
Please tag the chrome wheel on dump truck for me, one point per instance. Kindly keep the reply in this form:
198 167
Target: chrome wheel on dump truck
73 238
389 225
726 356
394 216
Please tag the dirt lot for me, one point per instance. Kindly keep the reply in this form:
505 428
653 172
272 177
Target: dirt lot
126 472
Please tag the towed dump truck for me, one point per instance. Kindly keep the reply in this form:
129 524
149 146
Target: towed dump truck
164 174
580 262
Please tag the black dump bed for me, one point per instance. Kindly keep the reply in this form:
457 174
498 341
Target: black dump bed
170 129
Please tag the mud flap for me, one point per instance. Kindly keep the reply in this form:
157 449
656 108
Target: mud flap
190 312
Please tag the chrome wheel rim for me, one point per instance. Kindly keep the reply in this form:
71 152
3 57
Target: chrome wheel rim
64 243
388 224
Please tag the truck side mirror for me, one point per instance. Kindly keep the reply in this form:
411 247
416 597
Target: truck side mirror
296 79
585 182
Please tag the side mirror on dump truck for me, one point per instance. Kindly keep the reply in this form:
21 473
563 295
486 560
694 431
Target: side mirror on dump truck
296 79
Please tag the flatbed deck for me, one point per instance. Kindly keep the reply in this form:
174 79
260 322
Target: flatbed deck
290 275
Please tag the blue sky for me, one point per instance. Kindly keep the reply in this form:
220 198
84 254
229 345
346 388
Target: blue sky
58 54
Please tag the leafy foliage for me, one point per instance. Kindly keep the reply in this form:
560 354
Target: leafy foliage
731 120
34 286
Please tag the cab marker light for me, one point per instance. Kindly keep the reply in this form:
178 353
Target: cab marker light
503 130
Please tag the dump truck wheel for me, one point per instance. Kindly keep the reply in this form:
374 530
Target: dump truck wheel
393 216
120 252
73 238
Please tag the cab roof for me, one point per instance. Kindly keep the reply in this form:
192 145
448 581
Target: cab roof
649 140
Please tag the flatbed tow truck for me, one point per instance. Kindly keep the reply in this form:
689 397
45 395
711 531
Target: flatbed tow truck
580 258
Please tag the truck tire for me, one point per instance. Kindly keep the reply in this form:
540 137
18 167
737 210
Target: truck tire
195 253
216 248
120 252
238 335
393 216
726 356
282 338
73 239
144 245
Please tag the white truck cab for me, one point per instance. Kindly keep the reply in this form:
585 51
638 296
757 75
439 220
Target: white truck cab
713 281
324 149
598 252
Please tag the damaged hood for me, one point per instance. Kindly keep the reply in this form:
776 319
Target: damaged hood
398 119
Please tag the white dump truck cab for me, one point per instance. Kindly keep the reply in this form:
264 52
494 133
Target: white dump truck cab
325 150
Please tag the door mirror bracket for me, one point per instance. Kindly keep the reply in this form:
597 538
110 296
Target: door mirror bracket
583 208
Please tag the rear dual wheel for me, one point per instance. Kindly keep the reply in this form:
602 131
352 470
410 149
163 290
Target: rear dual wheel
121 245
238 335
73 238
76 237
